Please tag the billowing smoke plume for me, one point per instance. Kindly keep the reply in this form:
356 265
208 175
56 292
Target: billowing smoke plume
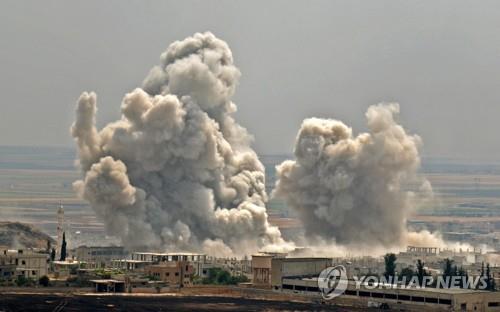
353 190
177 171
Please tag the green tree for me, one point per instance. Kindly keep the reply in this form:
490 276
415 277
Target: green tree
211 276
407 274
463 276
21 280
448 267
223 278
218 276
63 247
490 281
53 255
239 279
390 265
421 272
483 276
151 277
44 281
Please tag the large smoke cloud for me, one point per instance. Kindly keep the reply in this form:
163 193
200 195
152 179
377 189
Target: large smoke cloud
353 190
177 171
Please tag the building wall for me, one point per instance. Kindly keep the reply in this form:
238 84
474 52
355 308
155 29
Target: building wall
27 263
403 299
261 269
7 271
130 265
173 273
287 267
100 257
196 260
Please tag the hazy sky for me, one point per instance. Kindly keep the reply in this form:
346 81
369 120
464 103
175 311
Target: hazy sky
439 59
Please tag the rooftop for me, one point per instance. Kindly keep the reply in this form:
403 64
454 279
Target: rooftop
107 281
168 253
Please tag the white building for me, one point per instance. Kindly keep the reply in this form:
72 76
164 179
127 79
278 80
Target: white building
99 256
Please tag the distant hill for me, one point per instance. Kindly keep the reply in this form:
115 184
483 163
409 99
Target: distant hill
20 235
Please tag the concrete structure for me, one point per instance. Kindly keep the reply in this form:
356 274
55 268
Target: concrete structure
28 263
157 257
234 266
7 271
134 284
179 273
195 259
261 269
493 258
63 269
434 257
108 285
362 266
408 299
100 256
130 265
422 250
282 268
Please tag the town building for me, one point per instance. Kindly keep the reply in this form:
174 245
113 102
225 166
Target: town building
28 263
99 256
282 268
397 298
196 260
63 269
7 271
174 273
130 265
261 268
108 285
361 266
236 267
60 230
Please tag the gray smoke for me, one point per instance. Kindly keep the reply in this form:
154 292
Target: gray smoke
353 190
177 171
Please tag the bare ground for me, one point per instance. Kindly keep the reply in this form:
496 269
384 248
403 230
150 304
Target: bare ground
78 302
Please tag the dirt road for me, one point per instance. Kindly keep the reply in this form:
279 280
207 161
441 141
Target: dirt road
59 303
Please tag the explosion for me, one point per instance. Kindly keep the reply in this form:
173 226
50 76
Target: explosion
177 171
353 190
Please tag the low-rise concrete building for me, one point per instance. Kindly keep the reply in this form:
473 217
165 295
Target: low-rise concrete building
100 256
108 285
397 298
28 263
63 269
157 257
130 265
282 268
178 273
196 260
7 271
261 267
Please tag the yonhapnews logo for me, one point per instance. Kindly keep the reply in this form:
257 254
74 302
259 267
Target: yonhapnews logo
332 282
